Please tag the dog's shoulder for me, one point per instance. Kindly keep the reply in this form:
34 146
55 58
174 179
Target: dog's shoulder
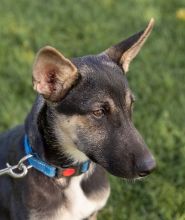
11 144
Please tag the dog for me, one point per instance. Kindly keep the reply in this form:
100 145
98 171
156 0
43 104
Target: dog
79 127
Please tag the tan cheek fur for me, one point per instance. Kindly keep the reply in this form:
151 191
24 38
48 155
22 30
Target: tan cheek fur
65 130
128 99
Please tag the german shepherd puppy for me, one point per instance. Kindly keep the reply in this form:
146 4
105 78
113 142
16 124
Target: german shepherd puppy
79 126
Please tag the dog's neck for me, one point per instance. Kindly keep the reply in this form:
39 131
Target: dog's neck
54 151
43 140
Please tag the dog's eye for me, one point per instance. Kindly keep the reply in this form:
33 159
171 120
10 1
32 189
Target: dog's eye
98 113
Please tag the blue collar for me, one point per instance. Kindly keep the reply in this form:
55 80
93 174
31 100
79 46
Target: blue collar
52 171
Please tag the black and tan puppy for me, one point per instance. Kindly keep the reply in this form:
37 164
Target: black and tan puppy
80 125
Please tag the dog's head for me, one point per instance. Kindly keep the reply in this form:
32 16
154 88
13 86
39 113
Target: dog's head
91 106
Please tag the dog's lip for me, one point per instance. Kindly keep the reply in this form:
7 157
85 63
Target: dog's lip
142 175
133 179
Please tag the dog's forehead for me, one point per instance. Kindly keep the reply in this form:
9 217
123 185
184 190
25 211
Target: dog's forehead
101 71
101 81
94 63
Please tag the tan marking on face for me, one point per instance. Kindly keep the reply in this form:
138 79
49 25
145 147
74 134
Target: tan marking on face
112 104
128 98
65 130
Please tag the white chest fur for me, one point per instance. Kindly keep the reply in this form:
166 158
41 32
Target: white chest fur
78 205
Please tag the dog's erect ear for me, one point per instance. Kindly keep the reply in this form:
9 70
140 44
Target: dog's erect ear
124 52
53 74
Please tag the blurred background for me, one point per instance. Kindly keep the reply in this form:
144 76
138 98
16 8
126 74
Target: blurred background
157 77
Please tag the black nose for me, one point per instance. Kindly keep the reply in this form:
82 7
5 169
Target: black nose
146 167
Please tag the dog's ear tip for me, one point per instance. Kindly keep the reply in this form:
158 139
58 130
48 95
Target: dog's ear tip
47 48
125 51
151 23
152 20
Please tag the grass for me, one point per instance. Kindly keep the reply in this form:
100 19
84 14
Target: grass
157 77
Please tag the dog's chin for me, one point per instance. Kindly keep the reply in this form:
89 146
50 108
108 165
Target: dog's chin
133 179
129 177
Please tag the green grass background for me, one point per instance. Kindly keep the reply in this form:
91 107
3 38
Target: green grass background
157 77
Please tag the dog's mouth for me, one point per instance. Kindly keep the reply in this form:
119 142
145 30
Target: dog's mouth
131 174
134 179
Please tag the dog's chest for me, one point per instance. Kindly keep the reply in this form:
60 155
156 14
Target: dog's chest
77 205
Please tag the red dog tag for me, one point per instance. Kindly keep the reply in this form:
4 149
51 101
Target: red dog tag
68 172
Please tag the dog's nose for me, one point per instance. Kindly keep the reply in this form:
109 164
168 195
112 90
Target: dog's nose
146 167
